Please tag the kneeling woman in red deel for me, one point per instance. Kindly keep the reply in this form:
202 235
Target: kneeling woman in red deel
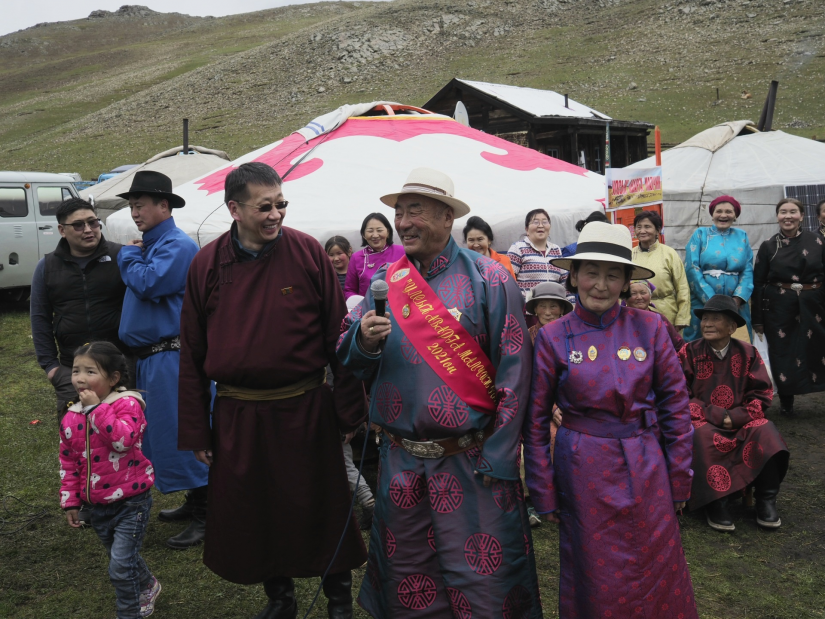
734 446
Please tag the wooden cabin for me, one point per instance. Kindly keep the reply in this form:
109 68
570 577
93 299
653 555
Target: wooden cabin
546 121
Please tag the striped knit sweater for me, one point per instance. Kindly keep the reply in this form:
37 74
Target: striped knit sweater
533 267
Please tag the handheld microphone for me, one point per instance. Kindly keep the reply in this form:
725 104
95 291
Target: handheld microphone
380 289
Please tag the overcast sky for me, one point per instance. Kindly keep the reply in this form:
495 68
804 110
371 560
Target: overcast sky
19 15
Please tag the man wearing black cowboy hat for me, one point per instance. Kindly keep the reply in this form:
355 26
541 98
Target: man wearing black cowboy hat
734 445
154 270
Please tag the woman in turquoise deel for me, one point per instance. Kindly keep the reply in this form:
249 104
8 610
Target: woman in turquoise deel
719 260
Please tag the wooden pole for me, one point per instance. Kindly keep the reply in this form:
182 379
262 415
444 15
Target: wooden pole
658 141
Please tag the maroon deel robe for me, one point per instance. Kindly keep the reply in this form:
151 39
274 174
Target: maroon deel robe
725 461
278 490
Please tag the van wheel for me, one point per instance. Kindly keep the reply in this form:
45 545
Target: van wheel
15 295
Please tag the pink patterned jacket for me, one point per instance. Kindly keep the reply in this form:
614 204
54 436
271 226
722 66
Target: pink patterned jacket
100 457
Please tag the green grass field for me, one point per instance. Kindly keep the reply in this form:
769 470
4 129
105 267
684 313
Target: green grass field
48 570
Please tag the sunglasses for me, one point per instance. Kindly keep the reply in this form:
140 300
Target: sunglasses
267 207
80 226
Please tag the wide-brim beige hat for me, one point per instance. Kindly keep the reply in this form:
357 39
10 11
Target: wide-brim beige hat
433 184
603 242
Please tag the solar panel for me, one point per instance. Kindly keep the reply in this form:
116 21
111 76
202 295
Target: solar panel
810 196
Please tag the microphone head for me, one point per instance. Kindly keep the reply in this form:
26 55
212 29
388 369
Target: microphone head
380 289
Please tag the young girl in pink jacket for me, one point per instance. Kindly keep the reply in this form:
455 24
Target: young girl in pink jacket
101 463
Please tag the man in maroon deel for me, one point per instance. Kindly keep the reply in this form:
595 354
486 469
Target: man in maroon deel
261 318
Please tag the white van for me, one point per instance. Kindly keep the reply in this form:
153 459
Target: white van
28 226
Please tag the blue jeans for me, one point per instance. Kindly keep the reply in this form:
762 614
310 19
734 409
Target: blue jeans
121 526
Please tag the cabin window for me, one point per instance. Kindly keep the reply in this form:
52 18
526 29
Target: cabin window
13 202
50 198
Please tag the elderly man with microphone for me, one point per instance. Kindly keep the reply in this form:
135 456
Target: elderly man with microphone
449 362
261 317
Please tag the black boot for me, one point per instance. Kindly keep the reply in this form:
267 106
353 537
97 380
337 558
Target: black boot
338 589
184 512
786 405
718 516
766 514
281 593
196 531
767 487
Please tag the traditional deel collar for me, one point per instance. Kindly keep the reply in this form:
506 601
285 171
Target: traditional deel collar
715 230
653 247
444 259
158 231
370 251
596 323
799 231
594 320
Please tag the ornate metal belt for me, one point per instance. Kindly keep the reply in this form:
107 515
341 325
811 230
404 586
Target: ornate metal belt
423 449
172 343
442 448
797 286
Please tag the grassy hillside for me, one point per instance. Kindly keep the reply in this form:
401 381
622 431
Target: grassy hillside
92 94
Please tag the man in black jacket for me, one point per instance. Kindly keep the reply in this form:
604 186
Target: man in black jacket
77 296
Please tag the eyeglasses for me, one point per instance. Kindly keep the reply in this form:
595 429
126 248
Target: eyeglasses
539 222
80 226
266 207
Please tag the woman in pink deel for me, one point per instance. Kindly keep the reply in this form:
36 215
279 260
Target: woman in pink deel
379 250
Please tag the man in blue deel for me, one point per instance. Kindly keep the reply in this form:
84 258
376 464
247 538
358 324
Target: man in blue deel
154 270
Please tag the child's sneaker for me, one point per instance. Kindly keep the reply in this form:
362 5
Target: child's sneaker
533 516
148 597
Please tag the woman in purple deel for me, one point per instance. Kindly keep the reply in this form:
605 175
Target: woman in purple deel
621 468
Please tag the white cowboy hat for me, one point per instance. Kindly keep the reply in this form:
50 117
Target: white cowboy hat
433 184
603 242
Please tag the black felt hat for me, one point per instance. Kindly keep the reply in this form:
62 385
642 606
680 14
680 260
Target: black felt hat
722 304
150 183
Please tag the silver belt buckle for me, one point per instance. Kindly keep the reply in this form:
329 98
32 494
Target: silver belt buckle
422 449
796 287
465 441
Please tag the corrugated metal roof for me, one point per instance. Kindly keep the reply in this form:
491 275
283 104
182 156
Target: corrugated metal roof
540 103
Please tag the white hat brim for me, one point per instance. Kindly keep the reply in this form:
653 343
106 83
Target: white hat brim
638 272
460 209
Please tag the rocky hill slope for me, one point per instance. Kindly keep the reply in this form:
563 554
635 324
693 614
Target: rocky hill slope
91 94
